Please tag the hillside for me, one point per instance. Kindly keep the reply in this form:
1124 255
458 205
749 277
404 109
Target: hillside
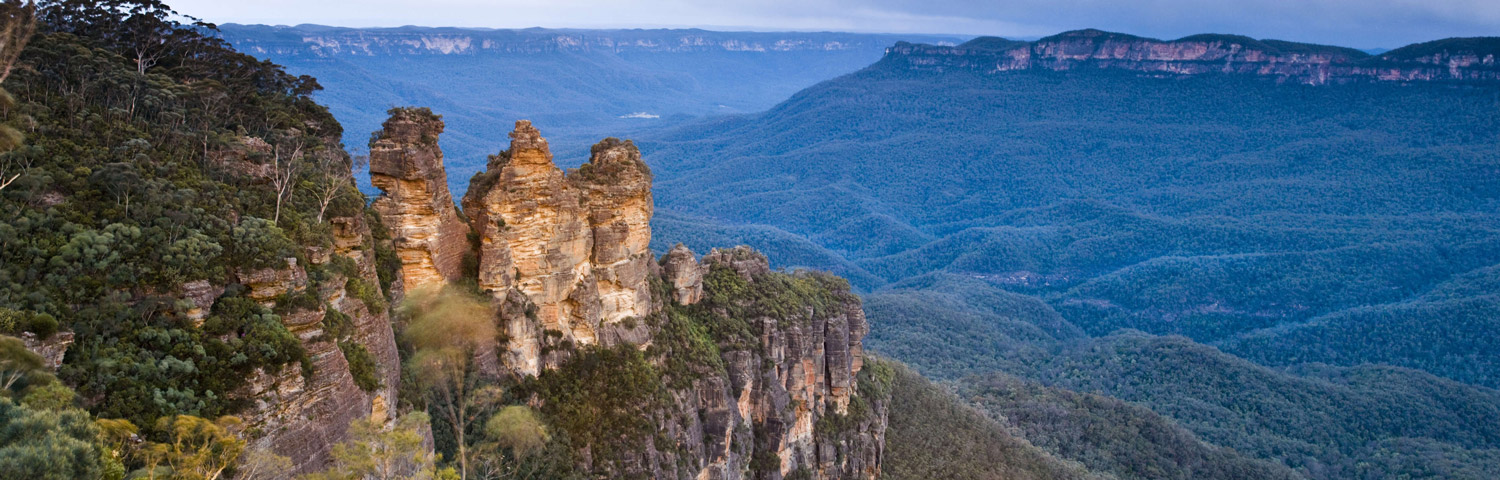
192 287
582 83
1009 220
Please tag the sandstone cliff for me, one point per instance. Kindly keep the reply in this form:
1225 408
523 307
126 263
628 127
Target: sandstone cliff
301 413
323 42
785 403
1443 60
407 166
575 245
773 386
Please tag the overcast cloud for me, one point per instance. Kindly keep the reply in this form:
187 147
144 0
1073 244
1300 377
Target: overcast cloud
1356 23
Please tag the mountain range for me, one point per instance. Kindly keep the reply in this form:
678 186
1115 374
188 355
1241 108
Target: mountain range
1087 256
582 83
1213 228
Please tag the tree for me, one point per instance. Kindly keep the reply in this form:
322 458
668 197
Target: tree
263 464
517 427
11 166
515 430
446 328
20 367
196 448
52 397
19 20
375 453
44 445
146 31
120 179
333 182
286 153
118 438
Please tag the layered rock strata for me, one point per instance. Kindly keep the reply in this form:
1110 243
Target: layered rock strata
1443 60
565 257
302 413
406 164
786 396
575 244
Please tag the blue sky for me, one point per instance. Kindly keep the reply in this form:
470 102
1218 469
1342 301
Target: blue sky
1356 23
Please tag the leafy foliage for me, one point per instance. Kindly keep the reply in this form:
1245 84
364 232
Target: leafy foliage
1013 222
445 329
933 434
1211 207
195 448
1109 435
602 399
361 365
48 445
375 452
143 172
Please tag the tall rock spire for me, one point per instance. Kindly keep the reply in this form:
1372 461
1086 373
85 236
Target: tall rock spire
576 245
407 166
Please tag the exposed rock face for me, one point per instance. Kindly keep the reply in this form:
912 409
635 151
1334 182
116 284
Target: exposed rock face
303 416
324 42
683 274
575 245
774 395
52 349
407 166
1444 60
565 257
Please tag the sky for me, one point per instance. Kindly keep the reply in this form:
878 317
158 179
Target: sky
1354 23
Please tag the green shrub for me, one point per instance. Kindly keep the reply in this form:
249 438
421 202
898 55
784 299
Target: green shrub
362 365
599 397
366 293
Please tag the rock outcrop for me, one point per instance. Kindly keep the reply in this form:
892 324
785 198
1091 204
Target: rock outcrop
683 274
1444 60
576 244
301 413
406 164
313 41
785 403
565 258
52 349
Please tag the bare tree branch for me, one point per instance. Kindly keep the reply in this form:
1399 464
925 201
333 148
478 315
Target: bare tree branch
19 23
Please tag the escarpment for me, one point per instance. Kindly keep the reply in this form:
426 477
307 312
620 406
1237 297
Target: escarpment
756 373
792 355
340 316
1452 60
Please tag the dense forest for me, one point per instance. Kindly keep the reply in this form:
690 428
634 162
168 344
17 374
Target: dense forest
156 181
1081 238
131 176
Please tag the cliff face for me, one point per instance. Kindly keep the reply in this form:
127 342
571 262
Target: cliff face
302 416
565 258
1449 60
318 41
407 166
574 245
785 404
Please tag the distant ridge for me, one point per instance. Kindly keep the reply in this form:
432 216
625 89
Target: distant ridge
1453 59
326 41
